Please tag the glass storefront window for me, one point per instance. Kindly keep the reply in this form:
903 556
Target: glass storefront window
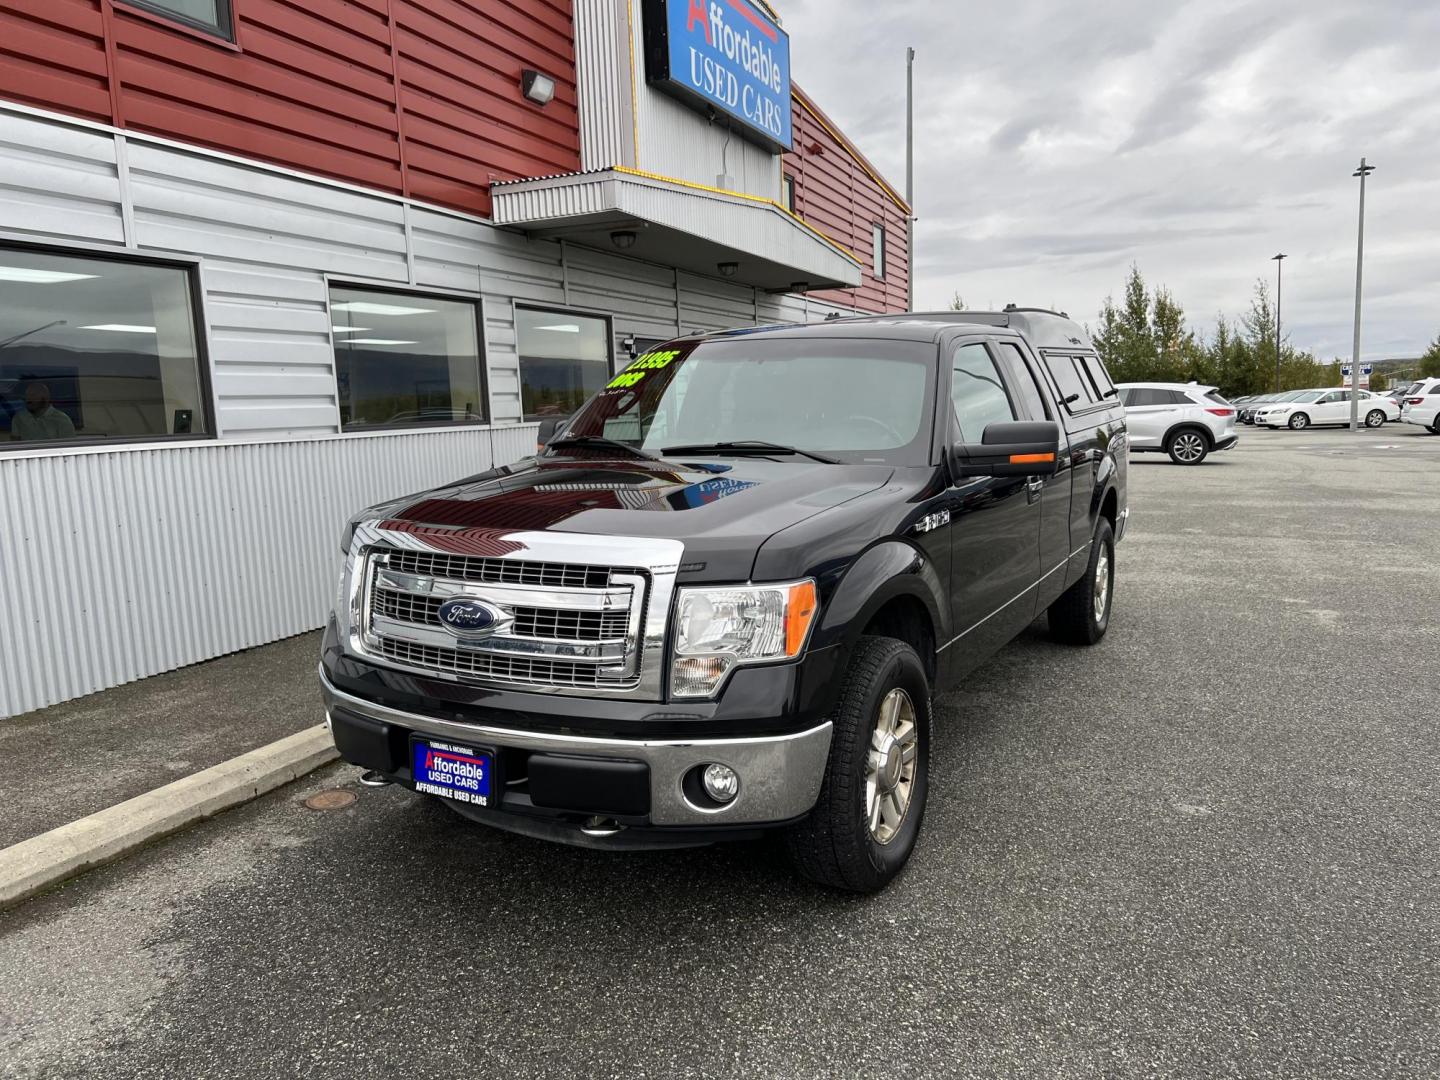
564 359
96 349
403 360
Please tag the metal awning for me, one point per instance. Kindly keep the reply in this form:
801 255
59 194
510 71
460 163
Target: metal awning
676 223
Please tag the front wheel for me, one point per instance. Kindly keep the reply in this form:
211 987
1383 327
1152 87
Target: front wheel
1375 419
1299 422
1082 614
864 825
1187 447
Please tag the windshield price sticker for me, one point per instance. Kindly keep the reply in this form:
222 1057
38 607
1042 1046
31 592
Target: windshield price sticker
654 361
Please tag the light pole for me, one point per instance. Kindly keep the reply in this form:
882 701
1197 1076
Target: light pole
1279 261
910 178
1362 172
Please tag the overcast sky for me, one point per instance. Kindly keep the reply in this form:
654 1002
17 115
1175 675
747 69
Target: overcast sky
1058 142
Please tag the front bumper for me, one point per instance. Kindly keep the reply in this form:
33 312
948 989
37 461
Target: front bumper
780 775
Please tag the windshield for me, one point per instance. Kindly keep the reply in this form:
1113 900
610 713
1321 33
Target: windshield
858 400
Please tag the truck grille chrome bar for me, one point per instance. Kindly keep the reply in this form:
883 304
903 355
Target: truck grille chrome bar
564 625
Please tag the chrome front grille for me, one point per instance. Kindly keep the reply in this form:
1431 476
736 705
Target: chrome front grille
500 571
560 624
490 668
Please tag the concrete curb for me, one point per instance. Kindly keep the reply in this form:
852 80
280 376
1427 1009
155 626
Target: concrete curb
34 865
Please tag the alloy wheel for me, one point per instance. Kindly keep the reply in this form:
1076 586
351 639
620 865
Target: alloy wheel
890 766
1102 585
1189 447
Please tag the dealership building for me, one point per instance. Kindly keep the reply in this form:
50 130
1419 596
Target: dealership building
266 262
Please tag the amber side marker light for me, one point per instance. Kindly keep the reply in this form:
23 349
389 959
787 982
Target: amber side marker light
799 613
1031 459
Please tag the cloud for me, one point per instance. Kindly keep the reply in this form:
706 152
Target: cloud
1058 144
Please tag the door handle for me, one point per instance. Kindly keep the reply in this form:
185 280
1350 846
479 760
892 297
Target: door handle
1034 487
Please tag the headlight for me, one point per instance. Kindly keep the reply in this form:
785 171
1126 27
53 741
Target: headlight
717 629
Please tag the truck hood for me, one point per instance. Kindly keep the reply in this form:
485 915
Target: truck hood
723 509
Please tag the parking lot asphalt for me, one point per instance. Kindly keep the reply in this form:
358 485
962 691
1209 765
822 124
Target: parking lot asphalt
1206 848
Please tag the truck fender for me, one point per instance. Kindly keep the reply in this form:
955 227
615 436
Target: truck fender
888 570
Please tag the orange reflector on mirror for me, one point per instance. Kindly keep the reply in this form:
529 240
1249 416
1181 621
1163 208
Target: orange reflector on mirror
1031 459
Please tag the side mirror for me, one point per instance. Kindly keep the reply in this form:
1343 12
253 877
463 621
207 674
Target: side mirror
1012 448
549 428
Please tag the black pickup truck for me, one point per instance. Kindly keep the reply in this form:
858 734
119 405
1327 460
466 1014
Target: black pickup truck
719 601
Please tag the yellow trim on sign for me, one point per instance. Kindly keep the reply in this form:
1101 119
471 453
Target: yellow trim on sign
854 156
761 199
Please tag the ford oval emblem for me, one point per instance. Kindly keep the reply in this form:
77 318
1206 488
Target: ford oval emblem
466 617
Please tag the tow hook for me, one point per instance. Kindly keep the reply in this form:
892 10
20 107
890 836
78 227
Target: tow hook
601 826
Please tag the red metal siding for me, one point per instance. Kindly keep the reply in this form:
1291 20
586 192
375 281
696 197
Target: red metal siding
419 97
840 193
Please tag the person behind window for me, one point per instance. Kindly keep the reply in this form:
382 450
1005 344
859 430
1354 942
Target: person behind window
40 420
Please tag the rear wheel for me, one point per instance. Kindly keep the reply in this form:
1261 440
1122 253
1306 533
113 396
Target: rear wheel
1375 418
1299 422
1082 614
1187 447
864 825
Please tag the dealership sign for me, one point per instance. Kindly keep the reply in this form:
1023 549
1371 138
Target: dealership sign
723 55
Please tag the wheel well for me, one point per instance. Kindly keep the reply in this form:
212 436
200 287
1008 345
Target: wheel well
1110 509
905 618
1201 428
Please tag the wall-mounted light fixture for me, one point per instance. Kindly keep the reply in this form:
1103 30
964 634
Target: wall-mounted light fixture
624 239
728 269
537 87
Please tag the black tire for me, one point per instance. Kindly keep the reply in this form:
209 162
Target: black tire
1375 418
834 845
1299 421
1188 446
1073 618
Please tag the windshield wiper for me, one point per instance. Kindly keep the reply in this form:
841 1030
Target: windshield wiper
747 446
599 442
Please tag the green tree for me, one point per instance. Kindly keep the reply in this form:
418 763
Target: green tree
1430 362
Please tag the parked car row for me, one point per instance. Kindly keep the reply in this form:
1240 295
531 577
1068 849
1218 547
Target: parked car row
1420 405
1300 409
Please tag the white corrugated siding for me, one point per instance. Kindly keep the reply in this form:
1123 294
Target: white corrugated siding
602 51
122 565
118 565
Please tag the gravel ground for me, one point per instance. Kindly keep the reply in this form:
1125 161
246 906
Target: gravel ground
1206 848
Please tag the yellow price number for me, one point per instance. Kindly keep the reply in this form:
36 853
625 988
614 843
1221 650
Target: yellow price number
654 361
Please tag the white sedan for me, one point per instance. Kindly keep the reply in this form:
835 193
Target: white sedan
1316 408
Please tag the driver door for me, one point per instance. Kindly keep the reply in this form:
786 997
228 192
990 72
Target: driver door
995 528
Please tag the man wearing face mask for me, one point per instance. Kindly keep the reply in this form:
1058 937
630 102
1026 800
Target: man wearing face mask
40 420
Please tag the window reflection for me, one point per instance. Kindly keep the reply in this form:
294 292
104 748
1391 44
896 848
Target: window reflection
564 359
403 360
94 349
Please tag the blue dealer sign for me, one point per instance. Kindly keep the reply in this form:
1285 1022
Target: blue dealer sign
723 54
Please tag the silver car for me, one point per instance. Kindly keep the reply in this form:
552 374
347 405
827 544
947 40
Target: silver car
1185 420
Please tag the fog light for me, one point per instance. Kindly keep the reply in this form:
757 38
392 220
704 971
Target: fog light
721 782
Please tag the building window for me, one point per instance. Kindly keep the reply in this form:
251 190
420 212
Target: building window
564 358
403 360
787 192
878 240
212 16
97 350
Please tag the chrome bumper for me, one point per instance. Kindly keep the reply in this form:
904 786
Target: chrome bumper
780 775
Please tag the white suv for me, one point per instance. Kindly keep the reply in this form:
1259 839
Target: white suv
1332 406
1421 405
1185 420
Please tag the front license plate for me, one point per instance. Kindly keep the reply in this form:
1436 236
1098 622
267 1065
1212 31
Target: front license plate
455 772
